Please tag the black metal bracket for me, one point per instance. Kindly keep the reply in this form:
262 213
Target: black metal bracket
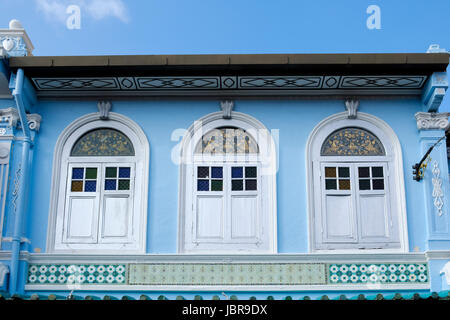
418 168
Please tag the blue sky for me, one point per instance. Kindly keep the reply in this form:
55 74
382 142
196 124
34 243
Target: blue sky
230 26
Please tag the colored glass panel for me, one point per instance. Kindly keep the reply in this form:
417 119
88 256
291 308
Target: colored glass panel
110 184
124 184
237 185
330 172
124 172
236 172
250 172
77 173
90 186
227 140
216 185
377 172
378 184
202 185
111 172
344 184
77 186
363 172
202 172
250 184
344 172
364 184
91 173
216 172
330 184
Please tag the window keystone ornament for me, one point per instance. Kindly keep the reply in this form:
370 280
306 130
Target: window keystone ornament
104 107
352 107
227 107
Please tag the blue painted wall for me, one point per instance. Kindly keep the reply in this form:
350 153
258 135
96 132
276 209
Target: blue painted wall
294 119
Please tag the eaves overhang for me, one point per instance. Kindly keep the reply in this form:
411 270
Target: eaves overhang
232 75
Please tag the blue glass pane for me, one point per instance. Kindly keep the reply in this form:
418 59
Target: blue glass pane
90 186
216 172
236 172
202 185
124 172
110 184
77 173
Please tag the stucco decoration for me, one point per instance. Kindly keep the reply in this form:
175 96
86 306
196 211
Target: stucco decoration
227 107
104 107
14 42
103 142
227 141
10 116
352 107
432 121
352 142
437 188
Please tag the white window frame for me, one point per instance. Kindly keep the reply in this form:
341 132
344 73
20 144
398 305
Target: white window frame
136 240
266 193
394 182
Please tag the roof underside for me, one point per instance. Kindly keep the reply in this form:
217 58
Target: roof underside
232 75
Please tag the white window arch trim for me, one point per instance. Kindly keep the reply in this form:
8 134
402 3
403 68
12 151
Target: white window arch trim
393 155
62 150
267 157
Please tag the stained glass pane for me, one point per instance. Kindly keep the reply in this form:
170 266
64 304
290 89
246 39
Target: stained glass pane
77 173
363 172
344 184
378 184
330 184
250 184
77 186
91 173
111 172
90 186
237 185
250 172
216 172
103 143
330 172
377 172
216 185
124 184
202 185
237 172
364 184
352 142
110 184
124 172
227 140
344 172
203 172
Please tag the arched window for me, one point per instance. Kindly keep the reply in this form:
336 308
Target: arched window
98 203
227 171
355 183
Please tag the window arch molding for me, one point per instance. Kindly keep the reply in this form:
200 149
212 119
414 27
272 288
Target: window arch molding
267 156
393 156
66 140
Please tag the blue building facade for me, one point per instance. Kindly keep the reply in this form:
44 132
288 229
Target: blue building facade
221 175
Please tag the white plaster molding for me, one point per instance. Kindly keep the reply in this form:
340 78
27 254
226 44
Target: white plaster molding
437 190
15 41
104 107
9 115
446 271
227 108
432 121
34 121
4 270
352 107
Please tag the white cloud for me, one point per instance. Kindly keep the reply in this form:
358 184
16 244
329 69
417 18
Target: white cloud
97 9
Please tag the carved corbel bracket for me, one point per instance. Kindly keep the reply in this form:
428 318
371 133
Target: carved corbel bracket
227 108
104 107
352 107
432 121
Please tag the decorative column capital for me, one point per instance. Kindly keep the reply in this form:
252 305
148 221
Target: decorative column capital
9 117
432 121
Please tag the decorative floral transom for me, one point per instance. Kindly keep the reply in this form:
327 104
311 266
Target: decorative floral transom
227 140
103 143
352 142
